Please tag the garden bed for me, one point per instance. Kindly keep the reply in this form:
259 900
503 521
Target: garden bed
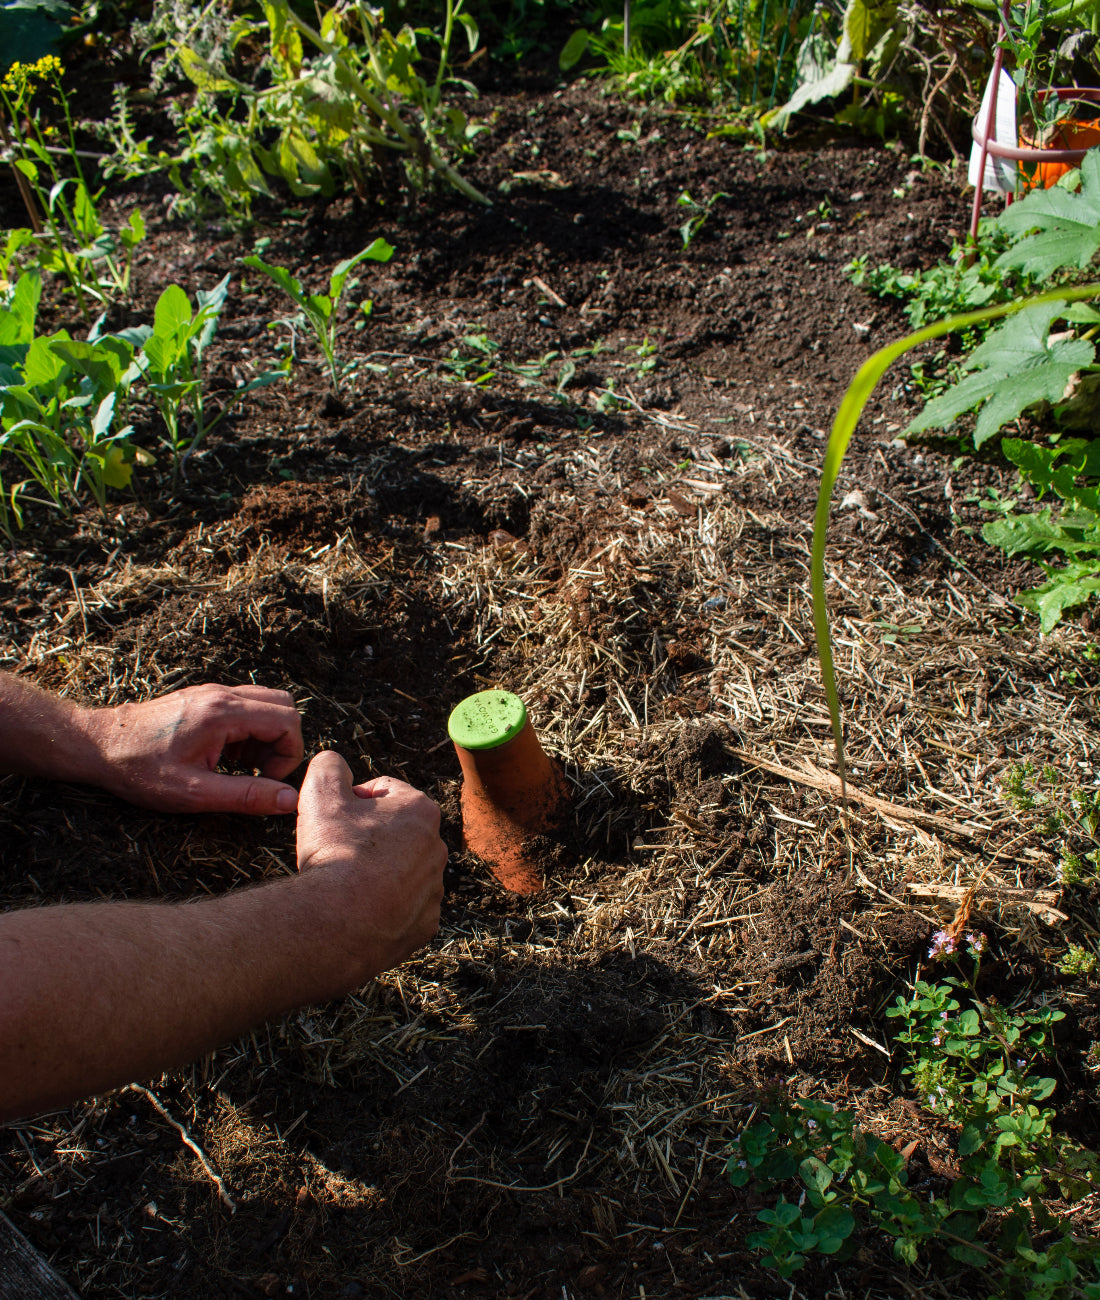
539 1104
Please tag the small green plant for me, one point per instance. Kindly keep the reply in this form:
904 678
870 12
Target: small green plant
1070 816
469 361
700 212
172 363
338 114
965 280
319 310
974 1067
69 238
63 409
1077 960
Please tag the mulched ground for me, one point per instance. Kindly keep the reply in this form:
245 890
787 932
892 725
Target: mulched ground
537 1106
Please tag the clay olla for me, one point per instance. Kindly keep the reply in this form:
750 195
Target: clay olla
511 790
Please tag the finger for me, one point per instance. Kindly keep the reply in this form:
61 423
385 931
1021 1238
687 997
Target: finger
251 795
327 780
380 786
276 730
265 694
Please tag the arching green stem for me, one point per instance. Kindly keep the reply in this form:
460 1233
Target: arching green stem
847 417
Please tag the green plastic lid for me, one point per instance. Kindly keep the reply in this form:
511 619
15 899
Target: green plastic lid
486 720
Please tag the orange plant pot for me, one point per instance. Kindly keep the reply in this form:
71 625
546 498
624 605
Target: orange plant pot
511 790
1067 134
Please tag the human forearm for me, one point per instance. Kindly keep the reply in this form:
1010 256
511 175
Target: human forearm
162 753
45 735
95 995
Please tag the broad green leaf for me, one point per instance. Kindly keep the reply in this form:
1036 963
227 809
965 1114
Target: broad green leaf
970 1140
203 74
835 1225
1024 534
864 24
42 366
574 50
281 276
1053 598
100 365
24 306
117 471
815 1174
378 251
1061 229
1014 368
835 82
968 1255
172 315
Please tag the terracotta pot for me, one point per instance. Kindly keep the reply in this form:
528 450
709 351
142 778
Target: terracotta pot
511 790
1069 134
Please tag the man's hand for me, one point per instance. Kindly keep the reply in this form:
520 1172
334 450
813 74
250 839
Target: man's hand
379 844
164 753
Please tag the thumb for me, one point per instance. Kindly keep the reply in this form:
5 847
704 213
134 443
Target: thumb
255 796
327 781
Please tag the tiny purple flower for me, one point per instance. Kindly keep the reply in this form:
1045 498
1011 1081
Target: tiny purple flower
943 944
1021 1064
937 1038
976 941
943 1015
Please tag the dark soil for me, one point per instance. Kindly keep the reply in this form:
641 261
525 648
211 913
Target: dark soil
457 1130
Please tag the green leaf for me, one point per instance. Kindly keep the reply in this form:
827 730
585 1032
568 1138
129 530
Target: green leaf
864 25
1053 598
473 35
23 308
281 276
172 315
378 251
815 1174
43 366
1016 367
118 469
970 1140
1065 226
968 1255
574 50
834 1226
203 74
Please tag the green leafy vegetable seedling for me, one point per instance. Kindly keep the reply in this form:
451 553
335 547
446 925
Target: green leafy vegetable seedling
319 310
172 359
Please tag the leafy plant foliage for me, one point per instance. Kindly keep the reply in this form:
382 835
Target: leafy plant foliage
319 310
974 1066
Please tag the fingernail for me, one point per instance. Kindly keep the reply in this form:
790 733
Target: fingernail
286 800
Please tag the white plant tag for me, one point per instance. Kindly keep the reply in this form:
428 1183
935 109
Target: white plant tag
1000 173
